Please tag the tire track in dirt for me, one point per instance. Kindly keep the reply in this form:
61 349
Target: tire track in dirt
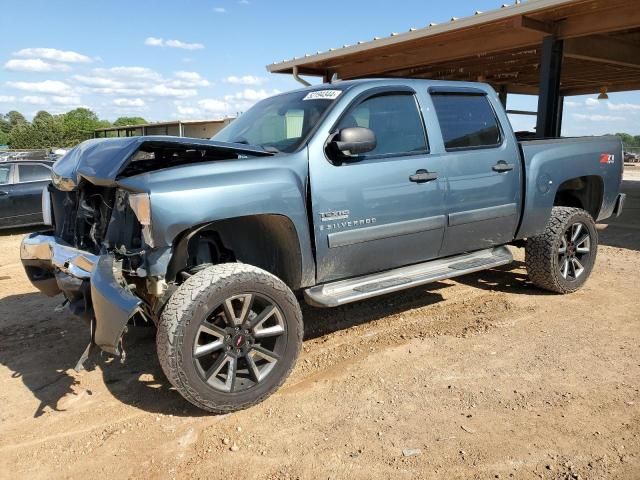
470 312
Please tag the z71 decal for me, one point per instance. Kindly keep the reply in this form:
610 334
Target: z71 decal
607 158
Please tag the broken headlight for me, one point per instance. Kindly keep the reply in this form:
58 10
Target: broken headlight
140 204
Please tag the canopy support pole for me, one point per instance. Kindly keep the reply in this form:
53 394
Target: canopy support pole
549 101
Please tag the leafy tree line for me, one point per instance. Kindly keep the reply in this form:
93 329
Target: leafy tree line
69 129
47 130
629 140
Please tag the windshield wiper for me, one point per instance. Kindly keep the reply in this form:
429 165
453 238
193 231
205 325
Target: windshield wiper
266 148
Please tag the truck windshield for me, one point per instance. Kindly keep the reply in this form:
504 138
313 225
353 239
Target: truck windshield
281 122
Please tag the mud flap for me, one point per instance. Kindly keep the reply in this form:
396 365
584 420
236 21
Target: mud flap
113 306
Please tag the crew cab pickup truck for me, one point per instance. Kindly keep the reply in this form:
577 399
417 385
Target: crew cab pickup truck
333 193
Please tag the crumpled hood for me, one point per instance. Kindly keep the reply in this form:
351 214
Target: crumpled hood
101 160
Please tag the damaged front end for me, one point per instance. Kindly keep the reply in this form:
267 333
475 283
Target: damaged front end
92 284
100 251
93 278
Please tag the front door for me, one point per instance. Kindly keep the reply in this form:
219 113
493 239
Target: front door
387 209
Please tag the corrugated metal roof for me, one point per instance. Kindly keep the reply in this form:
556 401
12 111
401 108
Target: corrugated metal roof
601 49
479 18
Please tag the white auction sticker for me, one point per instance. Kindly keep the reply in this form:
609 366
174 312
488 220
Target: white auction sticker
323 95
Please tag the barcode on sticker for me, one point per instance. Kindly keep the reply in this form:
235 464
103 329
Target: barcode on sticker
323 95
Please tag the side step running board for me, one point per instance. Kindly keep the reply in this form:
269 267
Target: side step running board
346 291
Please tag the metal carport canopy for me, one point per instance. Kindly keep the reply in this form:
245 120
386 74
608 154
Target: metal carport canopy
591 45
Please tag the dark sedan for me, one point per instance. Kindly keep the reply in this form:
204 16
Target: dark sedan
21 185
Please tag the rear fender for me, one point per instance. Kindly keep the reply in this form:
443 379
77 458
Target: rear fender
550 163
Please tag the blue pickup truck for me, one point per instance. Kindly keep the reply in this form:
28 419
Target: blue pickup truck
334 193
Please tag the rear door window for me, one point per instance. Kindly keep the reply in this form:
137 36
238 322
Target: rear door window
33 173
466 121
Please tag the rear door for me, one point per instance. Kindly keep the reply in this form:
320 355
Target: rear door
26 197
483 170
376 214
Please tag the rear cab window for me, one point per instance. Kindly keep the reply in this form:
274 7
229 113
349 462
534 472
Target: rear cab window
33 173
395 120
467 121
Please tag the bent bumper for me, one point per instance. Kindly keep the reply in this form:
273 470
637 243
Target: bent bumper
54 267
41 250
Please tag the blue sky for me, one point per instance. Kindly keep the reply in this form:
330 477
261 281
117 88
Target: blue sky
206 59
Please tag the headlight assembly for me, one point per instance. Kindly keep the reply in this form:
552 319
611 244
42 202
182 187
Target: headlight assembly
62 183
140 204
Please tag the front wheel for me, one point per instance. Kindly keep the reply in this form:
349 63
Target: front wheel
229 337
561 259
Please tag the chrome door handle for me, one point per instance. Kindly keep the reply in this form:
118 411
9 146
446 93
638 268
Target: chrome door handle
502 166
422 176
3 193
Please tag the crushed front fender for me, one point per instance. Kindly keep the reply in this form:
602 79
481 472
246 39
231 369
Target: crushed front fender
113 306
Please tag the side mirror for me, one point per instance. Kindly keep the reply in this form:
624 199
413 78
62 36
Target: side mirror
353 141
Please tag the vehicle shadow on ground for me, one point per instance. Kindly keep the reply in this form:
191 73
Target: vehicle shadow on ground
37 348
323 321
42 346
511 278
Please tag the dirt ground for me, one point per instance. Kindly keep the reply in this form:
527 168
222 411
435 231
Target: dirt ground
486 376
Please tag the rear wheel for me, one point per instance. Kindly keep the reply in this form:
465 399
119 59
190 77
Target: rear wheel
229 337
561 259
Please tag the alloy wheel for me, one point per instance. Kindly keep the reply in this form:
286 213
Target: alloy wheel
574 251
240 342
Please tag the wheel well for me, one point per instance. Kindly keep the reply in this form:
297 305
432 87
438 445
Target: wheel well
581 192
269 242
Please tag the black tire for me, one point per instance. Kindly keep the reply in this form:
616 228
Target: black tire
191 313
544 256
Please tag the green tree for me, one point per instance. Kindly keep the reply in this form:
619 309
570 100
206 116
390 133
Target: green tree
45 131
48 130
21 136
79 124
4 138
15 118
42 117
124 121
5 126
10 120
629 140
